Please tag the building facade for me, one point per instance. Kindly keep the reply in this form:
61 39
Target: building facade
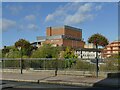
111 49
88 52
63 36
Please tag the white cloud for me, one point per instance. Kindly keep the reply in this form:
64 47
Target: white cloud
85 8
28 26
50 17
73 13
30 17
7 24
98 7
77 18
32 27
14 9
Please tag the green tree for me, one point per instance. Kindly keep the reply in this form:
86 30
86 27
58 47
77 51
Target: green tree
46 51
98 40
70 55
4 51
25 45
10 52
13 54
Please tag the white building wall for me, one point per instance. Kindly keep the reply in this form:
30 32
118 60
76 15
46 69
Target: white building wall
87 54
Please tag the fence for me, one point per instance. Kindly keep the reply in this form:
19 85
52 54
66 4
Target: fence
71 66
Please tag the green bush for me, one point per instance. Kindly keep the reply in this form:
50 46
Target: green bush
110 65
11 64
37 64
82 65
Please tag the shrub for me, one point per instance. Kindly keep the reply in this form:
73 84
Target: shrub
82 65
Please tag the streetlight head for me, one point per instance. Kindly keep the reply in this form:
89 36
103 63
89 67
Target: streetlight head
19 48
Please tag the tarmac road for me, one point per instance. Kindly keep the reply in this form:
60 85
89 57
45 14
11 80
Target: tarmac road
13 85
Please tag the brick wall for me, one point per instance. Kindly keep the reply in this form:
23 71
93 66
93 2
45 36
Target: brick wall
73 33
55 41
73 43
54 31
65 31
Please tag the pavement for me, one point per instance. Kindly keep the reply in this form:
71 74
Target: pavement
41 77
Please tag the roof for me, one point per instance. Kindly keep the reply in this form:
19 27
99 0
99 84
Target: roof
66 26
88 49
70 27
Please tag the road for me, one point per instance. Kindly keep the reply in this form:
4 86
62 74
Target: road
13 85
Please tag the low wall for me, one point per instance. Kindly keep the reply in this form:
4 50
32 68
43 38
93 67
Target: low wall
60 72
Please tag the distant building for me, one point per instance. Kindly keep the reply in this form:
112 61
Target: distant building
111 49
88 52
62 36
91 45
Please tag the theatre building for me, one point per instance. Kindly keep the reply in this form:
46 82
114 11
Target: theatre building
62 36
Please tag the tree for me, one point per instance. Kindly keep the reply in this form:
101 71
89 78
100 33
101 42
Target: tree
22 43
13 54
5 50
98 39
69 54
46 51
25 45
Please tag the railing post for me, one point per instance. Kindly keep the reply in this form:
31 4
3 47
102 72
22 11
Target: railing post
44 64
56 67
21 66
21 63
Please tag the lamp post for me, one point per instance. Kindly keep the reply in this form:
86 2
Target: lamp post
81 53
20 49
97 67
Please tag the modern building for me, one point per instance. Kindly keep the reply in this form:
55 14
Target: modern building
111 49
62 36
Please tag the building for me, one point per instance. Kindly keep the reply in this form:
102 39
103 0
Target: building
111 49
88 52
62 36
68 36
91 45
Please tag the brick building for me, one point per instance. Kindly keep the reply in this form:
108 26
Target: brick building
62 36
111 49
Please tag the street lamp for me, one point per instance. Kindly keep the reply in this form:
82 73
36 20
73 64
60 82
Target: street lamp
20 49
81 53
97 67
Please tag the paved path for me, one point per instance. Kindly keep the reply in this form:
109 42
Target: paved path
43 77
60 79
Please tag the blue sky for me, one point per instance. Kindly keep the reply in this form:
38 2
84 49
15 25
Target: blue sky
29 20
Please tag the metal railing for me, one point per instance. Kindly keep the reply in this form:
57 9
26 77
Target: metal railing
71 65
